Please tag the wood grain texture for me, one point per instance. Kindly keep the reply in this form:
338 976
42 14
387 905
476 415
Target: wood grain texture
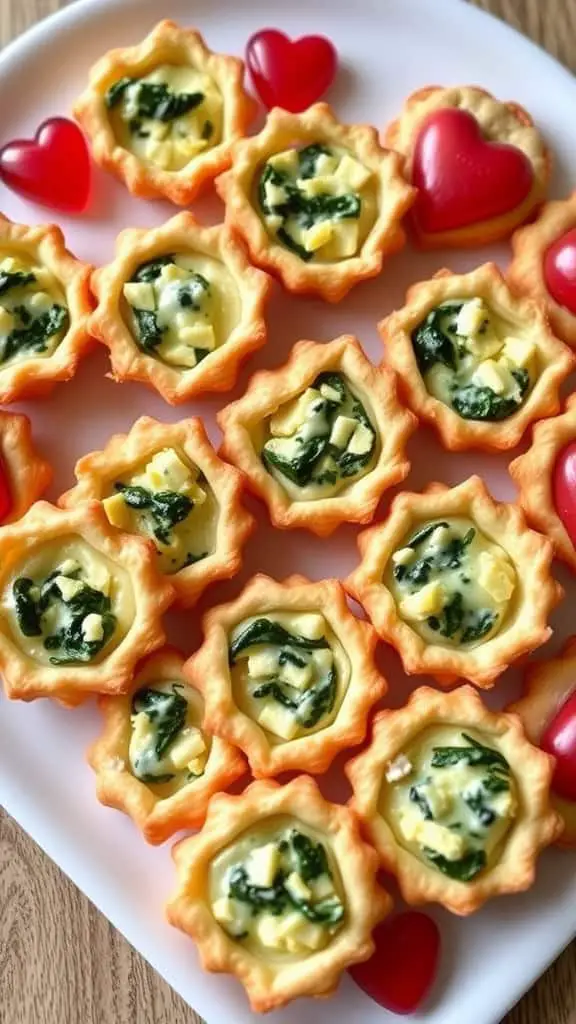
61 962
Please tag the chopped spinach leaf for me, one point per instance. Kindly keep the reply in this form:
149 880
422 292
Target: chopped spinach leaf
27 612
477 804
35 334
166 711
308 158
166 508
300 467
478 625
290 243
207 130
149 271
482 403
272 898
463 870
264 631
311 859
476 754
421 535
116 92
14 279
431 343
149 333
417 797
157 101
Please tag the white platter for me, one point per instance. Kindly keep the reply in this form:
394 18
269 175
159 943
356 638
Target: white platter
387 49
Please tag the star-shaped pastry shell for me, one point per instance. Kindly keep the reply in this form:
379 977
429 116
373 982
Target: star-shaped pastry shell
271 984
533 474
237 187
27 473
547 688
68 281
353 646
535 826
130 562
248 287
241 424
127 453
158 817
536 592
166 44
554 359
499 122
526 271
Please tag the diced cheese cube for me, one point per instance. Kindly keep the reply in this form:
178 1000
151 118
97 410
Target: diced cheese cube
98 576
520 353
92 628
262 864
352 173
321 185
224 910
318 235
10 265
189 744
279 720
263 663
186 149
139 295
297 887
321 887
69 566
425 602
323 659
496 575
308 624
166 471
403 556
159 153
494 375
6 321
344 242
299 678
142 733
269 931
440 537
275 195
198 336
325 164
171 272
292 414
344 427
68 588
285 162
362 440
306 936
471 317
440 797
399 768
179 355
40 302
197 765
504 804
118 512
330 393
431 835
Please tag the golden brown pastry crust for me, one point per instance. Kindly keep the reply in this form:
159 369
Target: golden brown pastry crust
535 826
167 43
500 122
28 474
209 672
269 389
547 687
158 819
271 985
331 281
218 371
37 375
24 678
456 433
525 627
125 452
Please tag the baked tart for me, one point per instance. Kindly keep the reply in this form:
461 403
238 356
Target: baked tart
163 115
163 481
179 308
480 165
318 203
44 307
287 673
456 582
455 799
24 474
80 603
278 889
475 361
321 438
155 760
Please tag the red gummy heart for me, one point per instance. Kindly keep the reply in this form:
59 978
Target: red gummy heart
5 495
52 169
560 740
463 179
564 488
290 73
560 270
402 970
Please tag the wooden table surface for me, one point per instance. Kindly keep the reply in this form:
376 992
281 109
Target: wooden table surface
61 961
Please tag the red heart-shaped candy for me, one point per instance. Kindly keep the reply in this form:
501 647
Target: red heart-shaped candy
559 739
402 970
564 489
462 178
52 169
290 73
560 270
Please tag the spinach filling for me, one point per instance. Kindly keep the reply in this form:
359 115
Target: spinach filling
165 509
192 294
31 334
153 100
167 714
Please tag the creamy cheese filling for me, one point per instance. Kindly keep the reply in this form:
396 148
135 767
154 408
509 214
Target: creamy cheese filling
33 313
451 583
180 307
289 672
320 442
168 500
317 201
277 890
67 604
451 801
168 748
473 360
167 117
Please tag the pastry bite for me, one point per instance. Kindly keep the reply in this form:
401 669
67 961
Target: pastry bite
162 115
476 362
179 308
287 673
321 438
164 482
318 203
278 889
44 307
455 799
80 604
155 760
24 474
456 582
480 165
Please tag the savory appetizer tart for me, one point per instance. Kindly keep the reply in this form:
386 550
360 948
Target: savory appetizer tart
321 438
318 203
179 308
280 890
80 603
548 713
164 481
287 673
163 115
476 362
24 474
480 166
456 582
455 799
44 307
155 760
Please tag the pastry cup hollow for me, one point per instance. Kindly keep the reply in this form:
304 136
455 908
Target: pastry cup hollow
27 473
